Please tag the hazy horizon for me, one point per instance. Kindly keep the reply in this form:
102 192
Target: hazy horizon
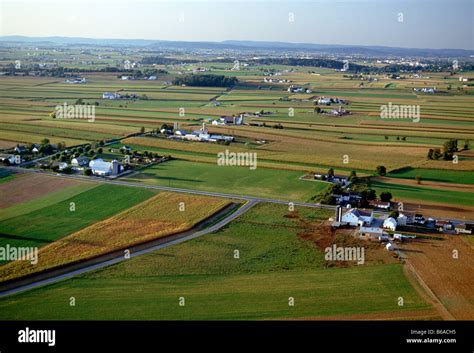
390 23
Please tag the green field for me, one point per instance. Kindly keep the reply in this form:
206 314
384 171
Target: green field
402 192
44 201
47 224
274 264
261 182
440 175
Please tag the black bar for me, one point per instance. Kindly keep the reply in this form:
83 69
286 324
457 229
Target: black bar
312 336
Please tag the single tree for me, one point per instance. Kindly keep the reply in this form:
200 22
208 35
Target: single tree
381 170
385 196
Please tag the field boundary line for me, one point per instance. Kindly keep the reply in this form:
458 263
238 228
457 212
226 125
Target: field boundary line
437 303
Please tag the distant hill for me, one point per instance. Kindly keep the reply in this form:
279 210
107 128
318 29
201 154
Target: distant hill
242 45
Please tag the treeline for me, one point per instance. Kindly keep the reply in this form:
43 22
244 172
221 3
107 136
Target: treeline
64 71
160 60
137 74
206 80
327 63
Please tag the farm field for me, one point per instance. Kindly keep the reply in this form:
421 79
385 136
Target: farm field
445 176
306 138
155 121
44 201
45 225
154 218
26 187
419 192
262 182
451 279
437 202
218 286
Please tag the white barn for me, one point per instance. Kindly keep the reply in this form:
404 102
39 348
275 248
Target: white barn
355 217
390 223
103 168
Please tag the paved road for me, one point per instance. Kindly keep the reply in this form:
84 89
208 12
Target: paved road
206 193
172 241
168 188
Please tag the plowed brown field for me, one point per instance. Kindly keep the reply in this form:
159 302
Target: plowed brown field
27 187
450 279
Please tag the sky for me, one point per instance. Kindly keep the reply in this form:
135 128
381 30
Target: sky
398 23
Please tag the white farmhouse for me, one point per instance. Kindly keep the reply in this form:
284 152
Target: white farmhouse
80 161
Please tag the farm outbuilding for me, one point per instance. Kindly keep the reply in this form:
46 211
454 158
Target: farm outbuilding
390 223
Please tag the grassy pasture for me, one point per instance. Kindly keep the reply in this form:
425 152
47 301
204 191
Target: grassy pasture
270 183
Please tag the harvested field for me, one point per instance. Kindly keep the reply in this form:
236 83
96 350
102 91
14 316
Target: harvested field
6 144
450 279
26 187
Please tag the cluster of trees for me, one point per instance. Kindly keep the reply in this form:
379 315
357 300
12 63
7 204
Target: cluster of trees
47 148
160 60
368 194
86 150
320 62
139 74
207 80
381 170
364 191
60 71
449 148
358 186
327 196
